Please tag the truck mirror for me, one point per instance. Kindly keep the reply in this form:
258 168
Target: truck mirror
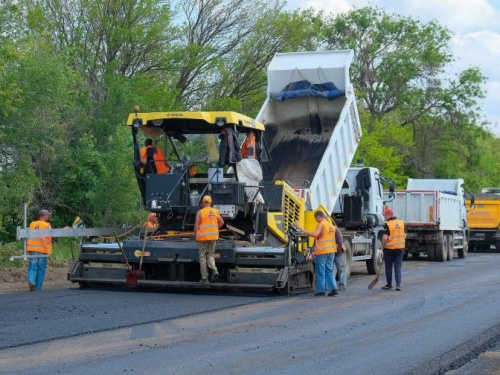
472 202
391 188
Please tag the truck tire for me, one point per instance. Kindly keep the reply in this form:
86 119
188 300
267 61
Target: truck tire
442 249
462 253
497 246
431 255
450 247
348 259
374 264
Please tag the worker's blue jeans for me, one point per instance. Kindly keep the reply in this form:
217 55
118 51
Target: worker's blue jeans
324 272
393 257
36 269
339 260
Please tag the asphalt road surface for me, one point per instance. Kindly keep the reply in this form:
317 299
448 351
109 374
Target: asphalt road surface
445 315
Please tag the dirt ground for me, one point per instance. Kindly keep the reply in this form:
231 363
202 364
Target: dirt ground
14 279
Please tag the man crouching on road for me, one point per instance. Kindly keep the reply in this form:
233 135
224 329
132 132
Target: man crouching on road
206 227
325 248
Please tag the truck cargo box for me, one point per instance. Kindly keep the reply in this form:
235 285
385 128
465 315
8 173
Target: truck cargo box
312 123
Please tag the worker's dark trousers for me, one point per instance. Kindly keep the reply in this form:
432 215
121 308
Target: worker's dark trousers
393 257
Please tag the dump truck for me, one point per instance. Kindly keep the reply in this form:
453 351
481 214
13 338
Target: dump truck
358 213
306 134
435 217
484 220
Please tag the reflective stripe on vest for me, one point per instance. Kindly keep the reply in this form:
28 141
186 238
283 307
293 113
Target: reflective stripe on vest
326 243
208 230
397 235
40 244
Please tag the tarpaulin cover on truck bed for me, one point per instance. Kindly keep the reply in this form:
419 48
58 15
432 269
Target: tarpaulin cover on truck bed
304 88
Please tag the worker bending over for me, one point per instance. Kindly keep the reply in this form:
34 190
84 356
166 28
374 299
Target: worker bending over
325 248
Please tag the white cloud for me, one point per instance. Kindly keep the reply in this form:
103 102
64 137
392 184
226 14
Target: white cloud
327 7
457 15
486 38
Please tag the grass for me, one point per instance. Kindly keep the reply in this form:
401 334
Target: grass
63 250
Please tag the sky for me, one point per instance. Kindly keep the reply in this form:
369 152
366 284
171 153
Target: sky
475 25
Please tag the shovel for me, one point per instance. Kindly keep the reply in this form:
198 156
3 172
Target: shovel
375 280
132 276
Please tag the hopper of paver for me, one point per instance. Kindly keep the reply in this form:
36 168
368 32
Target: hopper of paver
312 123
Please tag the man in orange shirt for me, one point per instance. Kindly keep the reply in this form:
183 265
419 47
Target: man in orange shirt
325 247
153 159
152 222
206 227
393 242
39 248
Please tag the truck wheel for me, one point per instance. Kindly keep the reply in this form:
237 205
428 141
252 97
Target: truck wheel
450 247
462 253
373 265
497 246
442 249
348 259
431 254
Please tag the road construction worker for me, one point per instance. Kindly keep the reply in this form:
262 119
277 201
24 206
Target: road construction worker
153 159
206 228
152 222
393 242
248 146
325 248
39 248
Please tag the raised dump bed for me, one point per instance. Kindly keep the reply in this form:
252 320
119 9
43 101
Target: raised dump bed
312 123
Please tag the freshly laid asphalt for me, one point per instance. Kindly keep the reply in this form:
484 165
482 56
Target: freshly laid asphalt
446 315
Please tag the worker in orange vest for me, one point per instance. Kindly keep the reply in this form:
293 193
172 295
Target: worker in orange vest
152 222
206 228
248 146
153 159
325 248
393 242
39 248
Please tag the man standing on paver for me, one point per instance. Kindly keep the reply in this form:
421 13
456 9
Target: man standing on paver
206 227
393 242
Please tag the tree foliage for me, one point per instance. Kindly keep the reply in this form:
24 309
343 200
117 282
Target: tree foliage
71 70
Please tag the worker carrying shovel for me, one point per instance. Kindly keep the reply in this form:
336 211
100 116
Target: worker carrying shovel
393 242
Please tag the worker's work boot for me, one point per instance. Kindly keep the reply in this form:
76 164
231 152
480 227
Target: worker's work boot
333 292
204 281
32 287
387 287
214 275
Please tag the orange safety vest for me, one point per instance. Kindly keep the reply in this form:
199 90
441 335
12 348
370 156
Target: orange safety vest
41 244
208 230
248 147
148 224
159 158
326 243
397 235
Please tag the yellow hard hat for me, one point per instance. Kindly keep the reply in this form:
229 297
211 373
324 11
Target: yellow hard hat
207 198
